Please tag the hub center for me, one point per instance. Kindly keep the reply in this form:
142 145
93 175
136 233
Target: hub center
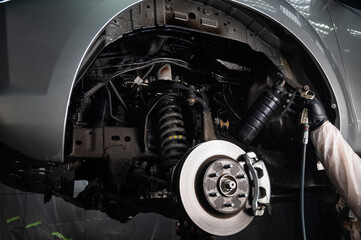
225 186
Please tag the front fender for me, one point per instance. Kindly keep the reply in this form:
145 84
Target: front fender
44 43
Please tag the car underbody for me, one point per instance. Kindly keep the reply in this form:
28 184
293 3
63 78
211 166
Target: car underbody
186 109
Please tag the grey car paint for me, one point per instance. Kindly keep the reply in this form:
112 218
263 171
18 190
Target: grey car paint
347 22
339 27
46 41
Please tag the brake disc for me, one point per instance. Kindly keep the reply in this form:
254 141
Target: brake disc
214 188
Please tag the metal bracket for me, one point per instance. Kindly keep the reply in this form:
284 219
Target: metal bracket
261 183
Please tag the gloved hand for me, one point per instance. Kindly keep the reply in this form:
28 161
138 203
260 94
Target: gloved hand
316 113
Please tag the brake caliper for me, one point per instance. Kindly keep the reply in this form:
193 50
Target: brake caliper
260 181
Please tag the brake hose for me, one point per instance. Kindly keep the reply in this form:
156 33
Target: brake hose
304 123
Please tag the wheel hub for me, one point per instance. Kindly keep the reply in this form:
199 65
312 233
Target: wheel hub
214 188
225 186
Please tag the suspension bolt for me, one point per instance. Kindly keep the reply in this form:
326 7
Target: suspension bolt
215 174
214 194
242 195
228 165
229 204
191 101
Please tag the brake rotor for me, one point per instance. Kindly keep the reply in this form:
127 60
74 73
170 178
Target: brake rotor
214 188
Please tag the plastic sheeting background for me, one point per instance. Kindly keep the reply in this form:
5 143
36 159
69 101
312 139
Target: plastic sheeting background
21 214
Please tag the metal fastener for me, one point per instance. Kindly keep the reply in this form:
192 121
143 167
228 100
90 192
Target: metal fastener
228 165
214 194
241 176
215 174
229 204
230 184
242 195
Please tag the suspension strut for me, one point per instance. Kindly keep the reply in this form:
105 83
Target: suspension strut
171 130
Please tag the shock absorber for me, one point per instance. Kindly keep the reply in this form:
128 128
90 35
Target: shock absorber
171 130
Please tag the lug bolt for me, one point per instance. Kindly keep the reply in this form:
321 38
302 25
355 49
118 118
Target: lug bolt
242 195
241 176
228 165
214 194
215 174
230 204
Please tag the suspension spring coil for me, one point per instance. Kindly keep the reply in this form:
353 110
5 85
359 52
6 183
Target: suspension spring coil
173 142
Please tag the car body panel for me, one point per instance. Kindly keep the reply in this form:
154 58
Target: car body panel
46 41
347 23
43 57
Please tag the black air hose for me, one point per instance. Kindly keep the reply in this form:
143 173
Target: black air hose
261 111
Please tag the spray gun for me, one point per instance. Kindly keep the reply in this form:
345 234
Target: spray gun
267 103
304 92
305 125
261 111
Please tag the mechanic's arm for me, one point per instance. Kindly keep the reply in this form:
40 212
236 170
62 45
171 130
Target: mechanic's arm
342 164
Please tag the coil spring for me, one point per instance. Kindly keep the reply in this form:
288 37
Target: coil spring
171 131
